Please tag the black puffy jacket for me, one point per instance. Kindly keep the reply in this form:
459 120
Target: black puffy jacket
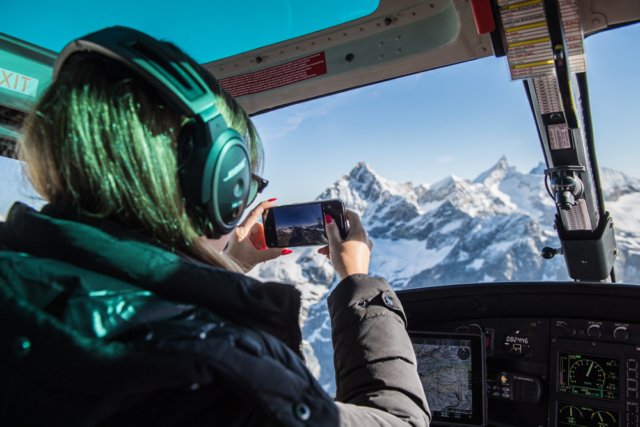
102 326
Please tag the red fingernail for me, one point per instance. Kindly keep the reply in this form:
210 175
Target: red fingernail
286 251
272 200
328 219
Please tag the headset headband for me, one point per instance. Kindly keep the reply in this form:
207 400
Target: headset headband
165 68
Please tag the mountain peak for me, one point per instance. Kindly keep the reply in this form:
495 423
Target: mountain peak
446 182
364 190
363 174
497 173
539 170
361 167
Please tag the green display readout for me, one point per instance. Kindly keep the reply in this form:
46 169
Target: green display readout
586 416
591 376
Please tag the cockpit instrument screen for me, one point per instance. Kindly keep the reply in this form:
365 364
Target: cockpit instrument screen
571 414
587 375
449 366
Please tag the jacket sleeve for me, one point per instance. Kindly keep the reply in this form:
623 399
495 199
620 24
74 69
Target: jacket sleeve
376 375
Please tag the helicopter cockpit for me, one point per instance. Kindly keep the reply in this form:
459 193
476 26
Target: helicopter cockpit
512 297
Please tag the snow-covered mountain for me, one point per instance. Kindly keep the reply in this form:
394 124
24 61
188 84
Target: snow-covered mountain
453 231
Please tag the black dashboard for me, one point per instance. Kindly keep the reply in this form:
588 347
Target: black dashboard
557 353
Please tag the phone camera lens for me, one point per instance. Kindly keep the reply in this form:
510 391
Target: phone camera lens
328 206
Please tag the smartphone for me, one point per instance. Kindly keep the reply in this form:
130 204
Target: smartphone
302 224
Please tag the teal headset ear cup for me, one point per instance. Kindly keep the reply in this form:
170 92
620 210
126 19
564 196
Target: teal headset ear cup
231 184
215 174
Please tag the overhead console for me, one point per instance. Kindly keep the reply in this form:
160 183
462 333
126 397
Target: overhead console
574 364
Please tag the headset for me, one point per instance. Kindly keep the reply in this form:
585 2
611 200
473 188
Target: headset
215 167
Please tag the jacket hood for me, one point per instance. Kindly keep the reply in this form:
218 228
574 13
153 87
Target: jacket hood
102 248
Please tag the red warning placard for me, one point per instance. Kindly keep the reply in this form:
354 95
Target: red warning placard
278 76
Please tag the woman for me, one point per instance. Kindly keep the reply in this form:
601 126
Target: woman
122 313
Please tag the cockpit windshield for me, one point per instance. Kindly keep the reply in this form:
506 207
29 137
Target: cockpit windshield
445 167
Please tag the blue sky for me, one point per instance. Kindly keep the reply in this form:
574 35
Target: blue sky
456 120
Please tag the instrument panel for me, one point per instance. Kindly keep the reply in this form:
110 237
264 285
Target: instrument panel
588 375
559 372
557 353
588 416
597 375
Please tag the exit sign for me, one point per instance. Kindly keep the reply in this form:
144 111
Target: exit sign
15 82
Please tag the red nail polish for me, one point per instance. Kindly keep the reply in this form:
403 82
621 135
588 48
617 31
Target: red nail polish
286 251
328 219
272 200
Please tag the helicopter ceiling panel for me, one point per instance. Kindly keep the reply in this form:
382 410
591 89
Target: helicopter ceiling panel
600 15
401 37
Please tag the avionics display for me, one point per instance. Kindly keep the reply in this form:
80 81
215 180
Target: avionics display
587 375
448 366
586 416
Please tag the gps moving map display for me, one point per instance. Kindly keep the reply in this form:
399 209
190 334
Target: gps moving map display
586 375
586 416
450 367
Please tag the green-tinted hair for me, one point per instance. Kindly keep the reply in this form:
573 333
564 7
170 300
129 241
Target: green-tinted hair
103 141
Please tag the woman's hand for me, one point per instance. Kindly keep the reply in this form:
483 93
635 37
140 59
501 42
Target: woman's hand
349 256
247 245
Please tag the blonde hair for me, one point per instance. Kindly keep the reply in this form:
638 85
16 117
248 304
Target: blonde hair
104 143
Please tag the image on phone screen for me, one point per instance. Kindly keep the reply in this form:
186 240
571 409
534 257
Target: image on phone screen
300 225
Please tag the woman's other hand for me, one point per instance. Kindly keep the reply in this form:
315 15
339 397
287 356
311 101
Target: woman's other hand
350 256
247 244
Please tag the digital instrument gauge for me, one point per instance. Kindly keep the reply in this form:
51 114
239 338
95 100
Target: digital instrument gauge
586 416
586 375
517 343
588 372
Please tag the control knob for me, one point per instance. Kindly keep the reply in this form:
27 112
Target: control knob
621 333
569 330
594 331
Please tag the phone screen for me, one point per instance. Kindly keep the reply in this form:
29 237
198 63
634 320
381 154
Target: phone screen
299 225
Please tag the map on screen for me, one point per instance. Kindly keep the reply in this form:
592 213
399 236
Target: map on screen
444 366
